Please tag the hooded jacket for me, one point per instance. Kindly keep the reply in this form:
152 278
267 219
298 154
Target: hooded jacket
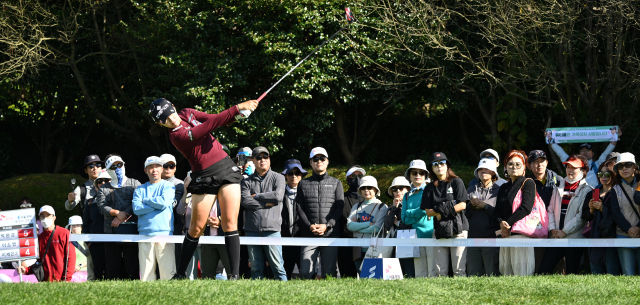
320 200
267 189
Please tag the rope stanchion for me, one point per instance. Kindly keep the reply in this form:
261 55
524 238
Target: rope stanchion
364 242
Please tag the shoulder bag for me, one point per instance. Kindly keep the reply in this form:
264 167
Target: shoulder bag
534 225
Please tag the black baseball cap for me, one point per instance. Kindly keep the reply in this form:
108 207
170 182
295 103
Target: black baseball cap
438 156
160 110
536 154
587 146
258 150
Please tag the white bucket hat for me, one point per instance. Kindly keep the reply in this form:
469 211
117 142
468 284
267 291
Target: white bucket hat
369 181
625 158
417 164
74 220
398 181
484 163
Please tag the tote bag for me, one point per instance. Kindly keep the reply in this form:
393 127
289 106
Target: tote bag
534 225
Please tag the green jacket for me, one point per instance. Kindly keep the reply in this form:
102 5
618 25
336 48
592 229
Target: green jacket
416 217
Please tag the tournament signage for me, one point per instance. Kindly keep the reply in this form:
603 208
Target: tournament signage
18 235
381 268
581 134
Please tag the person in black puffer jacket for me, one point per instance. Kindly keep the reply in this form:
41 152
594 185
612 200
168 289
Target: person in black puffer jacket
320 201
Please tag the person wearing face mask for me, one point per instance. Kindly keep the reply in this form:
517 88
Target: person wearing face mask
415 217
114 200
565 216
351 197
587 151
59 260
367 218
626 209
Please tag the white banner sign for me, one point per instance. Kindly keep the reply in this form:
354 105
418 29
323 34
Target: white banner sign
581 134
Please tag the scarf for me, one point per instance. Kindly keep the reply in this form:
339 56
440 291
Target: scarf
417 189
290 191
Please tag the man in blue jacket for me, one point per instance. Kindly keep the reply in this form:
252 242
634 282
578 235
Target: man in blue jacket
153 203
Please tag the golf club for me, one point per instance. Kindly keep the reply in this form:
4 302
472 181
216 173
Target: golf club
350 19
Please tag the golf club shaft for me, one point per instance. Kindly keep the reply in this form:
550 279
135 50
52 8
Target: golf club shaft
299 63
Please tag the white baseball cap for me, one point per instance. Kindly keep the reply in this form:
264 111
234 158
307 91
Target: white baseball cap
153 160
356 168
74 220
369 181
166 158
318 151
48 209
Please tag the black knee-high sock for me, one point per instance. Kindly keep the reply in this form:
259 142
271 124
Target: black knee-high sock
189 246
232 243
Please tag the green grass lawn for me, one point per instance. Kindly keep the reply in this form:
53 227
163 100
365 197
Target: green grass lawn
583 289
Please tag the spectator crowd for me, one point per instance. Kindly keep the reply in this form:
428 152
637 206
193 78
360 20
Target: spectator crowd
598 198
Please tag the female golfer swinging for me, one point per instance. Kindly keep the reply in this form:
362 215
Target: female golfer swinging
214 175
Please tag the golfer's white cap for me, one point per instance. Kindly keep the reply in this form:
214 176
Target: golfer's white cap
166 158
48 209
318 151
153 160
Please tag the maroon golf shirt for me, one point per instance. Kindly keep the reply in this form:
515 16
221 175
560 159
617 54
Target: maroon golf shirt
193 137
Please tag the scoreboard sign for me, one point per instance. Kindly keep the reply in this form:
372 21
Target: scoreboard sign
18 235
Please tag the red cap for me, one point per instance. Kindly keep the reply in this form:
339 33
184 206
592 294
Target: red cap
575 162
